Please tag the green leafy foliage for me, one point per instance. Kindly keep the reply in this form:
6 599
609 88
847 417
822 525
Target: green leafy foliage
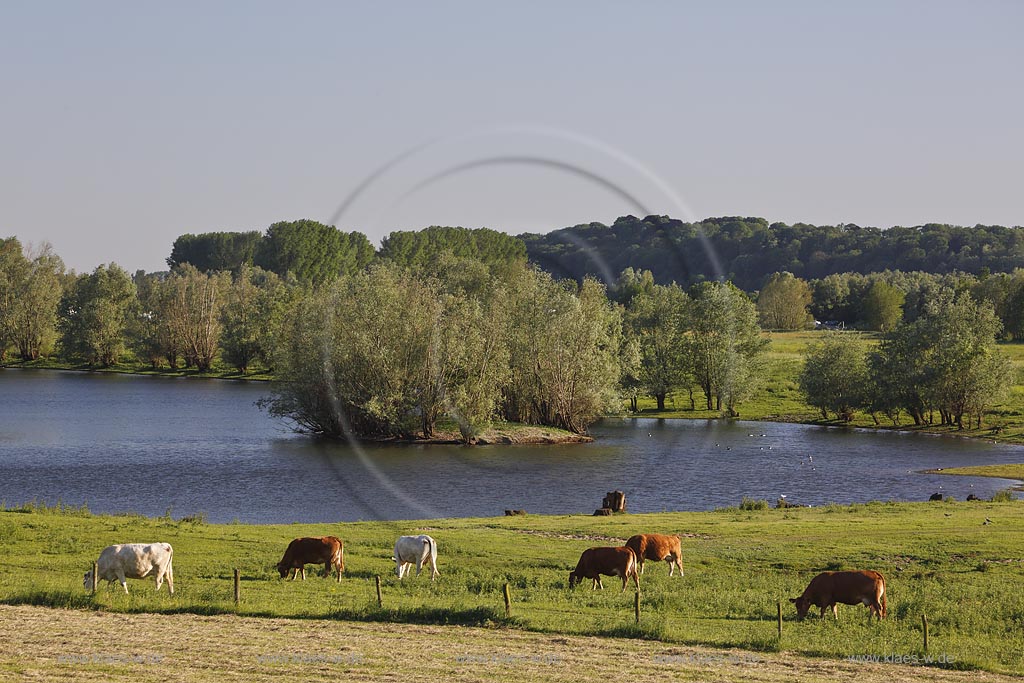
724 344
834 378
782 303
945 360
311 251
747 250
213 251
419 248
30 290
95 312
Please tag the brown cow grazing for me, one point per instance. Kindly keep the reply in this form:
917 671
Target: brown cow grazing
657 547
326 550
827 589
594 562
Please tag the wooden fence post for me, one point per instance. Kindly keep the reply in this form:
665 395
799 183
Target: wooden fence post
779 605
380 598
95 576
924 624
508 602
636 606
238 587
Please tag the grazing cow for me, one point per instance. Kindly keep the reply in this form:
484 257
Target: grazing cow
415 549
134 561
594 562
326 550
850 588
657 547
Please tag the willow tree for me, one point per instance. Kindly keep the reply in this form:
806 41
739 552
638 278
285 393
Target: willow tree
882 307
193 312
564 344
834 378
388 353
30 291
13 267
724 344
658 319
95 313
944 361
150 335
783 301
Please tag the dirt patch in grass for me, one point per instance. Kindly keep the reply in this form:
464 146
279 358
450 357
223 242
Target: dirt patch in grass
39 643
592 537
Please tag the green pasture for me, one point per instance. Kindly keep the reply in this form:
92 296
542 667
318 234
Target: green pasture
940 559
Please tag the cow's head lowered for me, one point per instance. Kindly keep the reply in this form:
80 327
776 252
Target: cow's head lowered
574 579
87 580
803 603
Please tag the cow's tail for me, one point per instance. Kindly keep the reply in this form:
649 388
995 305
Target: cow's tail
632 567
432 546
881 599
339 560
169 574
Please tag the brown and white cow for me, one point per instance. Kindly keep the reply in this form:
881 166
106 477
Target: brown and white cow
326 550
657 547
594 562
828 589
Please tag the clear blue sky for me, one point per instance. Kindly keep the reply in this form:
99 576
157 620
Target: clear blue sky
126 124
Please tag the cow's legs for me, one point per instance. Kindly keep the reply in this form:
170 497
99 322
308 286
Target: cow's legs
169 574
641 563
636 578
835 610
159 577
120 578
295 573
303 572
423 559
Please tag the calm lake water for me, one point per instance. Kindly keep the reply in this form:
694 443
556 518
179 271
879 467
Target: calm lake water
148 444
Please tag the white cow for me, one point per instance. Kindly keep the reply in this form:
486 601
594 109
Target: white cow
418 549
135 561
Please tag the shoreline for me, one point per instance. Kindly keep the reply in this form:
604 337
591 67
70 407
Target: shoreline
1010 472
990 434
506 434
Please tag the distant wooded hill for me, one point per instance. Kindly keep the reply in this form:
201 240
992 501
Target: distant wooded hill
748 250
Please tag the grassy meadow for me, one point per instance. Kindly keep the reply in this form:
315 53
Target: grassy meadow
940 559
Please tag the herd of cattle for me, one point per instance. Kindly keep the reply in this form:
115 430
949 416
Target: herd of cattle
826 590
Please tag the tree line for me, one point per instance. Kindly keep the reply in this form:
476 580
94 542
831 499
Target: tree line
941 367
748 250
312 252
389 344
